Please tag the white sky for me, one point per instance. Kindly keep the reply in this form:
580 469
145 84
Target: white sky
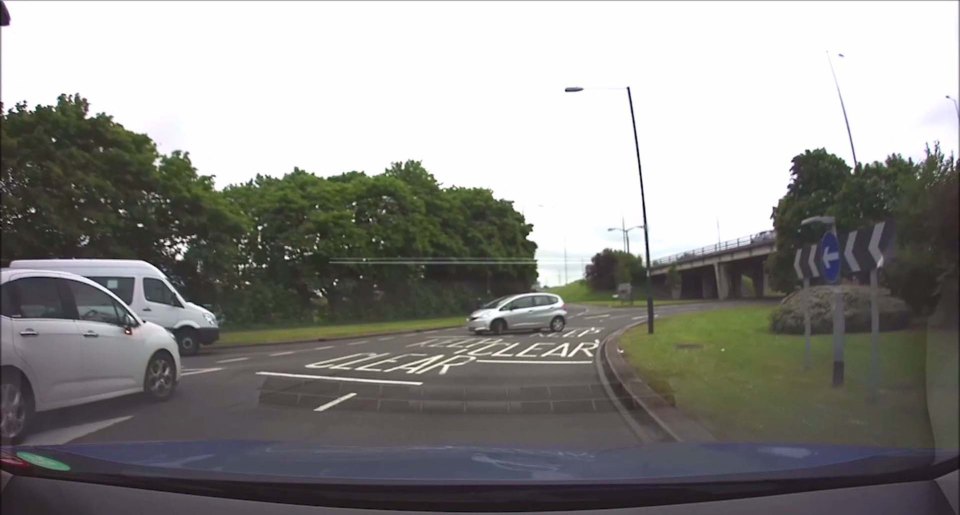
725 95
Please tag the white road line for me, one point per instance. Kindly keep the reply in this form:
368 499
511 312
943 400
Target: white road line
430 332
530 362
194 371
325 347
232 360
357 343
65 435
597 316
338 378
284 353
385 338
639 318
335 402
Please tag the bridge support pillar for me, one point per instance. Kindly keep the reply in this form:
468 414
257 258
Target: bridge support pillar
709 288
759 277
722 281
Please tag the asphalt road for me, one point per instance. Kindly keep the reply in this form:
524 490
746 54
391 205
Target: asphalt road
445 387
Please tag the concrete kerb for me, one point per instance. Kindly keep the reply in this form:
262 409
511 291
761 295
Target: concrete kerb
323 340
656 420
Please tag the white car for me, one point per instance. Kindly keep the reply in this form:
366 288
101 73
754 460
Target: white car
148 293
524 311
66 340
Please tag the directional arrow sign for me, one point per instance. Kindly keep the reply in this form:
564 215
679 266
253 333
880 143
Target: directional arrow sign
796 264
830 256
848 256
874 246
812 263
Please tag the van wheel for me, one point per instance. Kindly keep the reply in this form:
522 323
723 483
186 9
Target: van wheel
188 341
160 377
16 407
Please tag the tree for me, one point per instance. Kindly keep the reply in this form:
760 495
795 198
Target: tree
609 268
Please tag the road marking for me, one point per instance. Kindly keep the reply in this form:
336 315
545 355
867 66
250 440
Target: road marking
605 315
325 347
385 338
532 362
195 371
232 360
642 317
357 343
430 332
335 402
338 378
66 435
284 353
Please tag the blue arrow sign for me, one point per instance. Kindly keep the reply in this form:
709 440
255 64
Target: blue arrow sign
830 254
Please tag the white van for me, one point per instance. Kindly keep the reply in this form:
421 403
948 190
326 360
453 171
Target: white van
147 291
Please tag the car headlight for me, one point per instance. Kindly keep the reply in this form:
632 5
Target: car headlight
212 320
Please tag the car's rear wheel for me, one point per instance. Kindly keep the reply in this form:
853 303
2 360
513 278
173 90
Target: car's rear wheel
498 326
557 324
188 340
16 407
160 378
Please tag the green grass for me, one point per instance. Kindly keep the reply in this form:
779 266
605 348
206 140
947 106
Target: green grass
293 334
748 384
578 292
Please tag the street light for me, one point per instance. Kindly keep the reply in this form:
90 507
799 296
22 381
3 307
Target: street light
643 203
626 235
843 108
956 106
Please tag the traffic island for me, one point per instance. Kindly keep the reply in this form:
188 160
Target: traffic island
726 371
649 413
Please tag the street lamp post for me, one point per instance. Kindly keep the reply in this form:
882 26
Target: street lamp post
843 108
625 234
643 205
955 106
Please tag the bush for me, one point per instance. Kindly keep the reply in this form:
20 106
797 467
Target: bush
788 317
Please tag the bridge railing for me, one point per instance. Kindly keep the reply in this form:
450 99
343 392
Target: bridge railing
743 241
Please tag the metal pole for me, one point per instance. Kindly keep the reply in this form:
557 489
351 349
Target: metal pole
806 324
844 109
839 328
643 204
874 338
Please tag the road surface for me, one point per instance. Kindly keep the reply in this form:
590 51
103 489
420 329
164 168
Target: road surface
444 387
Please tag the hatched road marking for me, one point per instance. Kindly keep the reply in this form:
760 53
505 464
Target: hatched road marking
335 402
338 378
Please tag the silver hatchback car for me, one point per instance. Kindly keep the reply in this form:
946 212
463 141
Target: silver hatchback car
525 311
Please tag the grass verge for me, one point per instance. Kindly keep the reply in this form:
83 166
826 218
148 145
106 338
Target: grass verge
293 334
744 383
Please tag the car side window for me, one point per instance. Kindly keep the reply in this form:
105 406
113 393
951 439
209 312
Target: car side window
120 286
94 305
545 300
8 306
523 302
154 290
39 297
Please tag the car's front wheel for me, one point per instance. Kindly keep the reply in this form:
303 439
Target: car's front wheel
498 326
16 407
160 379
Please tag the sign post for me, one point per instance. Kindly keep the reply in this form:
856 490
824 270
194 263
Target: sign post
830 257
805 265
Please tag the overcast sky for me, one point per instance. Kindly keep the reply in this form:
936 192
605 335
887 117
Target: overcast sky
725 95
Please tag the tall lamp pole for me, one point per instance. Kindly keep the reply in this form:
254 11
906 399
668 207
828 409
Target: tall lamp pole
843 108
955 106
643 204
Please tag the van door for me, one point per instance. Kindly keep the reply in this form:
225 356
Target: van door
161 305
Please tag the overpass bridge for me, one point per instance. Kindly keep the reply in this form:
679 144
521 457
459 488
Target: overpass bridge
717 271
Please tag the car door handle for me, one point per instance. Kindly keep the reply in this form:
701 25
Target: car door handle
28 332
147 309
90 334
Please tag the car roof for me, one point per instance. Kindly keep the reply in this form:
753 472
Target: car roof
9 274
39 264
